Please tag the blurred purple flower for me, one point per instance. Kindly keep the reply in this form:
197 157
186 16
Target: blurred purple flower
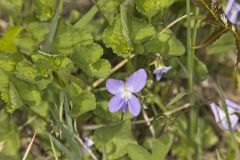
160 71
220 115
123 92
232 10
88 143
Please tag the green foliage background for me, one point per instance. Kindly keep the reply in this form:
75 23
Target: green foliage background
55 56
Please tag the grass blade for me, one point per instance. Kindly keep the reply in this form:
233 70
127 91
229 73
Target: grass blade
62 148
218 155
53 148
176 98
48 43
89 15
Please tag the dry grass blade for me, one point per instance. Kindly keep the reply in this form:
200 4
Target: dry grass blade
29 147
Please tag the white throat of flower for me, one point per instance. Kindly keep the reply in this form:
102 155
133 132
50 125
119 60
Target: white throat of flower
126 93
222 115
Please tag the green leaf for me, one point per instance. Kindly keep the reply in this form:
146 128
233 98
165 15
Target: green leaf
165 43
4 86
15 99
45 9
38 31
99 69
6 42
8 61
29 94
25 71
140 30
73 90
83 103
11 8
8 136
149 8
224 44
124 23
25 44
162 146
41 108
137 152
175 47
113 36
87 54
113 140
201 70
67 37
154 46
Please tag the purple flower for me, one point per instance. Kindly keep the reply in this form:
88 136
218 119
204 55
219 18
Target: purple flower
87 144
124 92
232 10
220 115
160 71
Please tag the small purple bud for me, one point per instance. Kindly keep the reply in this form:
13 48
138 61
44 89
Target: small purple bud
88 143
160 71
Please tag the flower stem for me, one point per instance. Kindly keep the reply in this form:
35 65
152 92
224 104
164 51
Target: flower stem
122 116
190 59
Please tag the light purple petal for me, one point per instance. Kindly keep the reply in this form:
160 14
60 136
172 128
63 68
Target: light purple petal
215 110
114 86
233 121
233 17
232 104
134 106
161 71
229 6
237 6
158 76
116 103
88 143
137 81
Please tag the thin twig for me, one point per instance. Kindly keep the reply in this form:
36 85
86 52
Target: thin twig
29 147
166 114
27 122
187 105
148 120
87 148
173 23
118 66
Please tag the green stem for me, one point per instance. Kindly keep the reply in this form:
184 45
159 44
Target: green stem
191 38
122 116
189 51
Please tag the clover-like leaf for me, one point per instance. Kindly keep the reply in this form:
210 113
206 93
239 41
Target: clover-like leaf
83 103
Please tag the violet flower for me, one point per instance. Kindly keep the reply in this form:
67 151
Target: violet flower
220 115
124 92
160 71
232 10
88 143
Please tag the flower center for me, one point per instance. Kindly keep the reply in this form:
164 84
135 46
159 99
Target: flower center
126 93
